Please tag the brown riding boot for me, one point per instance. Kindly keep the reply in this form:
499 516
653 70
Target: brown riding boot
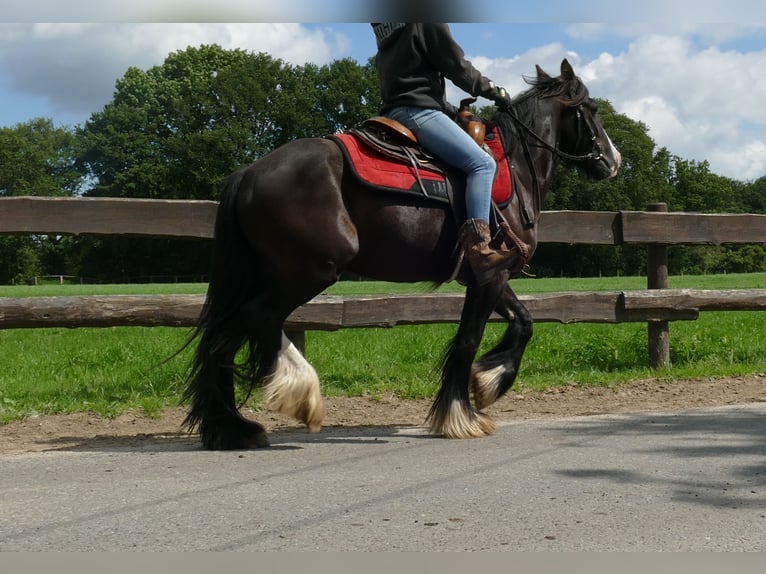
484 261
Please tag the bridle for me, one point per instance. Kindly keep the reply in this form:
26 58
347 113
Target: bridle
595 154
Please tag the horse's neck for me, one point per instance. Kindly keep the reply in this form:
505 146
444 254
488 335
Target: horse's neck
534 163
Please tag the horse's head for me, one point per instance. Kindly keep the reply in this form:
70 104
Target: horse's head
558 115
582 138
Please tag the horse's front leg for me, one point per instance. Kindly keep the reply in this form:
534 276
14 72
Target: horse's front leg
494 373
452 415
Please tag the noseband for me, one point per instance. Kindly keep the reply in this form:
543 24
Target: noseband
596 153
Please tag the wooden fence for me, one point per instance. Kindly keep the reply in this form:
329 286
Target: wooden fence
654 228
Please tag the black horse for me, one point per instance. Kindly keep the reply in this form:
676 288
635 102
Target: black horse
293 221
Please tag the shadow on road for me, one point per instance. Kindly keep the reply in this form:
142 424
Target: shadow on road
281 439
732 439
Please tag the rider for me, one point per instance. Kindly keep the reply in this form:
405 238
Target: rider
413 60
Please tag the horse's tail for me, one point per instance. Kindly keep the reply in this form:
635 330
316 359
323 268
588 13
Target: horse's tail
221 329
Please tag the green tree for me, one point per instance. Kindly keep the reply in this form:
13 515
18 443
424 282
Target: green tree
697 189
347 94
176 130
37 158
26 264
752 196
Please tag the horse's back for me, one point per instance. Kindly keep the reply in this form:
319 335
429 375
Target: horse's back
294 173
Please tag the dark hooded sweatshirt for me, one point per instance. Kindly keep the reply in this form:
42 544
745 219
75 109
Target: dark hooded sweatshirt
413 61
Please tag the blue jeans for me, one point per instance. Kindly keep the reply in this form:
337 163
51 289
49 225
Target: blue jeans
446 140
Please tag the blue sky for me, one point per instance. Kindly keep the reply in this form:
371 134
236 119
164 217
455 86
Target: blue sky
693 74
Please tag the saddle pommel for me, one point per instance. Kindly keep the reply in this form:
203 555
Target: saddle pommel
472 124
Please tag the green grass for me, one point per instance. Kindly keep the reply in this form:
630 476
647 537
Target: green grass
105 371
51 290
108 371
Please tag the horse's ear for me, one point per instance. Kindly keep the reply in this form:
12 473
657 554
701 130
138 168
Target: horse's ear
540 73
567 72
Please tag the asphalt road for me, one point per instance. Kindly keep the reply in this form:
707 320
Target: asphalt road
686 481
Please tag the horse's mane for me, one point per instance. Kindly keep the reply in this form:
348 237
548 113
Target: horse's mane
570 92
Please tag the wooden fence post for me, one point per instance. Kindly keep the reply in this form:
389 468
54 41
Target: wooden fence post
657 278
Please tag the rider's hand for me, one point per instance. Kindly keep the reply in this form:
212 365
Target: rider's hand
500 97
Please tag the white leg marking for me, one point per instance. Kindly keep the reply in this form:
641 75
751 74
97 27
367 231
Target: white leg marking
293 387
485 385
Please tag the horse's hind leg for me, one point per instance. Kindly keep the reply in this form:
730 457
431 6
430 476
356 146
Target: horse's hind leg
495 372
291 384
213 407
452 414
300 252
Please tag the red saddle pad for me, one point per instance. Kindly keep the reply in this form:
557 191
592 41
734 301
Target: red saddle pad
378 170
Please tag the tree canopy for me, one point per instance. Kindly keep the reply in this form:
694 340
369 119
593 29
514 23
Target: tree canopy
37 158
177 130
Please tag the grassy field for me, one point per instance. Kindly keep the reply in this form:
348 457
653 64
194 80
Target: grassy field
108 371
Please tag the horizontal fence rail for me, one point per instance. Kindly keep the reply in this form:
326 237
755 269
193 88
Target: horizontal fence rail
107 216
196 220
184 219
330 313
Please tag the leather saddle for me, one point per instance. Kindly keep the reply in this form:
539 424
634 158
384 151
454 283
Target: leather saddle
393 139
396 141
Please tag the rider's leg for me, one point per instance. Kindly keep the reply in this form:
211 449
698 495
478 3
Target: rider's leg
441 136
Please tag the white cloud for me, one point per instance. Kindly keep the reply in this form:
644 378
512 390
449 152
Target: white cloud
655 112
510 72
698 100
75 66
745 161
187 10
710 31
701 99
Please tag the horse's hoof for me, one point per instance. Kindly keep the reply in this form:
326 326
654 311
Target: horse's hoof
258 440
239 435
461 421
307 408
